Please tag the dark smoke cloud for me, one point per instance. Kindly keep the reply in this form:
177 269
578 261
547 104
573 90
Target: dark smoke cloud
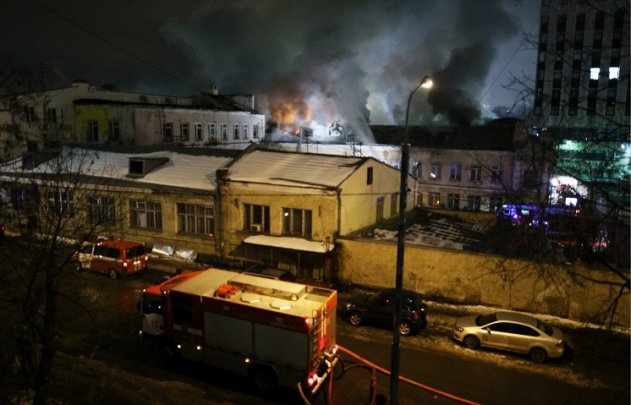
355 61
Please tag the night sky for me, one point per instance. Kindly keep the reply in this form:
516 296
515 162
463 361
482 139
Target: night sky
356 61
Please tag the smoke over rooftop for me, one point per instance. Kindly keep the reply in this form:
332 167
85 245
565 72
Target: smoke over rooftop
353 61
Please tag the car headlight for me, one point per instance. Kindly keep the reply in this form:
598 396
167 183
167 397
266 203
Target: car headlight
348 305
459 328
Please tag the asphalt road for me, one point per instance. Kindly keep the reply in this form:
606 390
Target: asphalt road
105 329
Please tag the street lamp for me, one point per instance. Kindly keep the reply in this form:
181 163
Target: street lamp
425 83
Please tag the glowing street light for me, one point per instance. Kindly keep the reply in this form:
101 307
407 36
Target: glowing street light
425 83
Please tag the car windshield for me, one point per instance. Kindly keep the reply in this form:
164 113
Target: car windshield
545 327
482 320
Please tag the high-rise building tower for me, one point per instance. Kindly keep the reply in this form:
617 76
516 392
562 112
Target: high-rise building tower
583 65
582 97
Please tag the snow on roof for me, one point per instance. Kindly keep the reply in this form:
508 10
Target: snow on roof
289 243
181 170
294 169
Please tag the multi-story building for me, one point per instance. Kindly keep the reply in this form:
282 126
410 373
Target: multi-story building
582 92
84 113
283 209
474 168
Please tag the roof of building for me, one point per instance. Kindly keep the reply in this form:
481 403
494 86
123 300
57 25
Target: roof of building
178 169
293 169
497 135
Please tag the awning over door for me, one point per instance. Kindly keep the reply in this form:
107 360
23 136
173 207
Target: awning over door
285 242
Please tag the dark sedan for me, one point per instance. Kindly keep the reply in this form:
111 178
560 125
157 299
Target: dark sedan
378 309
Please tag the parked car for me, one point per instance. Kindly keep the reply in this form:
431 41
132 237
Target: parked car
511 331
114 257
378 309
270 272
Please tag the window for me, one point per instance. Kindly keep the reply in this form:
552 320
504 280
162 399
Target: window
93 131
167 131
417 167
297 222
394 206
255 131
145 214
453 201
369 176
455 171
473 202
51 115
614 73
212 135
224 132
256 218
433 199
475 173
235 134
594 73
114 131
196 219
434 171
380 208
199 131
245 131
496 174
184 131
495 203
101 210
61 203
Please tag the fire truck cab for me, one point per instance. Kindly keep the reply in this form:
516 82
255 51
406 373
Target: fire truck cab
278 333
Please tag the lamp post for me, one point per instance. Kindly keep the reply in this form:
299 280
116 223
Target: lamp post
425 83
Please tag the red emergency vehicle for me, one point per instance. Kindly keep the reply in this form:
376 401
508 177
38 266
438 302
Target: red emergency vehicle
278 333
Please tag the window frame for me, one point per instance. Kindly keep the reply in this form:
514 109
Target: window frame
297 222
152 211
195 219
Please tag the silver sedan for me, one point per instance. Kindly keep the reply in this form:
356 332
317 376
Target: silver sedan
510 331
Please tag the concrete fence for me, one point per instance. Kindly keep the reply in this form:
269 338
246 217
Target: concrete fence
566 290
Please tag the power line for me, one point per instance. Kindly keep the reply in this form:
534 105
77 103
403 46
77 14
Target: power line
114 45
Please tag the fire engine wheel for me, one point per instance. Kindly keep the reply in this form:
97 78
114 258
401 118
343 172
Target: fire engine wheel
355 318
264 378
113 274
405 328
167 351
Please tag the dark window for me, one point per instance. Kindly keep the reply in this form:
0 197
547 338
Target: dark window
455 171
195 218
184 131
476 173
101 210
524 330
453 201
394 207
380 208
167 132
93 131
61 203
504 327
114 132
256 218
369 176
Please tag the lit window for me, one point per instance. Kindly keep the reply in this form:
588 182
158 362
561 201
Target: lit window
594 73
614 73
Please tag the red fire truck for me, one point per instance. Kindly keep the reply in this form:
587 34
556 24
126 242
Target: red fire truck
278 333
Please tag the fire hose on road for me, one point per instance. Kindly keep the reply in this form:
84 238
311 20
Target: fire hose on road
373 380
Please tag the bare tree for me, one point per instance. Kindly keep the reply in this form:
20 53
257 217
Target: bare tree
45 204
